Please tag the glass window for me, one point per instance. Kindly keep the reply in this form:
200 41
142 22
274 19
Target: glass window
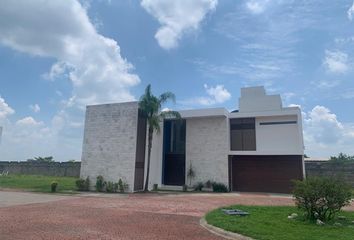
243 134
175 134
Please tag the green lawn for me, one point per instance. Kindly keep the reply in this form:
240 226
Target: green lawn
271 223
38 183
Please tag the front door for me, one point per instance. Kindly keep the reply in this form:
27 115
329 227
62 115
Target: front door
174 154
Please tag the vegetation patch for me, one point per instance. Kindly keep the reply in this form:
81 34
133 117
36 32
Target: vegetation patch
274 223
38 183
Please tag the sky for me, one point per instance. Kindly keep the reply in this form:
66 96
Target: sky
57 56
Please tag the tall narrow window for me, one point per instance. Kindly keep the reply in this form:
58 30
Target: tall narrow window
243 134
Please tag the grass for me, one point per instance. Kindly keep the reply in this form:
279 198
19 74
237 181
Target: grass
271 223
38 183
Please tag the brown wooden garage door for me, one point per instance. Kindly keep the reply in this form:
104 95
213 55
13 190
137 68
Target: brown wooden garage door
264 173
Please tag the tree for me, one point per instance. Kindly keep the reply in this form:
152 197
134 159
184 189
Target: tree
41 159
342 157
150 106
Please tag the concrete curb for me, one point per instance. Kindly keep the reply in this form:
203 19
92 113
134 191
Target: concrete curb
221 232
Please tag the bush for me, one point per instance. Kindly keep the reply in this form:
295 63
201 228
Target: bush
111 187
321 197
53 186
100 184
199 186
208 184
122 186
219 187
83 184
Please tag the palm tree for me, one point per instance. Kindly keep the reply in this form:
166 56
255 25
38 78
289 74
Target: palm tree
151 105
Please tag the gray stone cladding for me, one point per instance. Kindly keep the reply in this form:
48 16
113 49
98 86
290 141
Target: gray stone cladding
207 143
109 145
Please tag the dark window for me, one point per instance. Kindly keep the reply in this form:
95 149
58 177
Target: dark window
243 134
175 136
277 123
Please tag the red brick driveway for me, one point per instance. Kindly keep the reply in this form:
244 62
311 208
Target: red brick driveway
135 216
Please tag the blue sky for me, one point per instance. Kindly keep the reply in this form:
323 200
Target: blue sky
58 56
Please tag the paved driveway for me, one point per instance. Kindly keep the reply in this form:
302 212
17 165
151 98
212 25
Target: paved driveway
19 198
135 216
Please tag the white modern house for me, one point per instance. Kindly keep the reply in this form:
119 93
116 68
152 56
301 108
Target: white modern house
258 148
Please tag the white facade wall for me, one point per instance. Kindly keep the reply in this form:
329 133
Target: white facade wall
109 146
155 176
207 149
277 139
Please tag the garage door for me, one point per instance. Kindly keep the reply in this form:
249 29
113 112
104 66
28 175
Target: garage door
264 173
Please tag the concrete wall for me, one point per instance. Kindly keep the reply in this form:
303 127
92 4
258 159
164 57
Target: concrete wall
65 169
329 169
207 145
156 158
255 99
109 146
278 139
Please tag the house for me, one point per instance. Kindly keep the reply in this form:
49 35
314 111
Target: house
258 148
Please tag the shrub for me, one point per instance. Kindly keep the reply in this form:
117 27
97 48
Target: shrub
100 184
184 188
321 197
111 187
122 186
83 184
155 187
199 186
208 184
53 186
219 187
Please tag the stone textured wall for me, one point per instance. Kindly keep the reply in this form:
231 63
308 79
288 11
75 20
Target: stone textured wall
207 143
109 146
330 169
67 169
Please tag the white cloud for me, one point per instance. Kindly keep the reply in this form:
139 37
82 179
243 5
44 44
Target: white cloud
57 70
336 61
257 6
62 30
35 108
28 137
28 121
177 18
5 109
325 135
350 12
216 95
323 125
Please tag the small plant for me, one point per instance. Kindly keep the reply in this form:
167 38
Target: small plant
155 187
190 173
199 186
321 197
100 184
111 187
122 186
53 186
219 187
184 188
83 184
208 184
